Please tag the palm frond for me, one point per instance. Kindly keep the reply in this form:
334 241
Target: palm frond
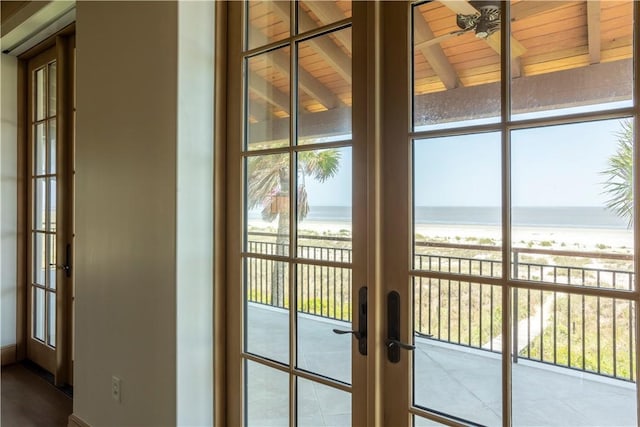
619 183
268 179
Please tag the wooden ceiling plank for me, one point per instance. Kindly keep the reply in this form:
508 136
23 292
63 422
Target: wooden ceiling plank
333 55
434 53
593 25
307 82
525 9
329 12
331 52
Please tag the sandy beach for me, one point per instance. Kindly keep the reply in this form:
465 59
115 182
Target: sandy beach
619 240
551 237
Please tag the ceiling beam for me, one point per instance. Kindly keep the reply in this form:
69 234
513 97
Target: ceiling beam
268 92
516 68
593 26
434 53
328 13
323 45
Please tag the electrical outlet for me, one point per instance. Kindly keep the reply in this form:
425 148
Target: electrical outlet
115 389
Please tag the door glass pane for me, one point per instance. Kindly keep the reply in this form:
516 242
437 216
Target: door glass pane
267 22
457 199
585 64
52 89
40 149
268 204
267 309
40 94
314 14
53 203
324 304
51 264
267 396
267 100
572 204
38 313
39 258
322 406
576 360
51 321
324 204
424 422
51 134
457 360
39 204
324 89
456 73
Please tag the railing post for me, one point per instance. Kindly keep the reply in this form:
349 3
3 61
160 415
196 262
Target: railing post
514 338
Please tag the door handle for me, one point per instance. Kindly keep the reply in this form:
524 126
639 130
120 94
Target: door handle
393 329
361 333
67 262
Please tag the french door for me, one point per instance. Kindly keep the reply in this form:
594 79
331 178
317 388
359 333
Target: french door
430 213
50 185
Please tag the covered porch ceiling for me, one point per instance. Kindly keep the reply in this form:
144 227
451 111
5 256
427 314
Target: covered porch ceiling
593 38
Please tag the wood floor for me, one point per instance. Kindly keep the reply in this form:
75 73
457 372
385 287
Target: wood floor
28 400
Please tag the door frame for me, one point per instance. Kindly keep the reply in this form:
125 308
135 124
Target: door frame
381 76
60 47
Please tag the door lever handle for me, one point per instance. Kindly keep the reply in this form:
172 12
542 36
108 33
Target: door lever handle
393 342
60 267
66 267
356 334
361 333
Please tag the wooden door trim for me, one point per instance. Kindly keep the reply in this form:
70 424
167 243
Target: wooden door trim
64 141
396 195
219 221
234 188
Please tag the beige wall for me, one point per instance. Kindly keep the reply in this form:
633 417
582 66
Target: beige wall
8 194
129 264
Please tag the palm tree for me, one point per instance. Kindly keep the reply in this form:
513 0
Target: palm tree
268 187
619 183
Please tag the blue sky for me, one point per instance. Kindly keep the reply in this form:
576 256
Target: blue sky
552 166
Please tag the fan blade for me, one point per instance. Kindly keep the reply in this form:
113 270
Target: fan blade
440 39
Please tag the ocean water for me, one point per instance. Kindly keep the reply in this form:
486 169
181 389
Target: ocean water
565 217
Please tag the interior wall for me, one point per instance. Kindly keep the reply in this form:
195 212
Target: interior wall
126 212
144 213
8 197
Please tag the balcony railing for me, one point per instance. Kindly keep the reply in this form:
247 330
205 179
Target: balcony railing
585 333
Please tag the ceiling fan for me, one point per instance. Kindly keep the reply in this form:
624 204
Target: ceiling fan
483 18
484 23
